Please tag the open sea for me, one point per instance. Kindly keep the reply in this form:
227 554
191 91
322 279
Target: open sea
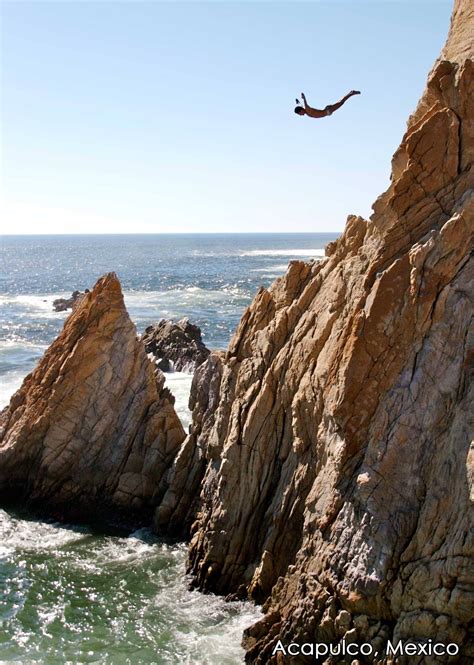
69 594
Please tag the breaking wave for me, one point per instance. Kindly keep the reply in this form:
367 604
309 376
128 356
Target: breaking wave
284 252
77 596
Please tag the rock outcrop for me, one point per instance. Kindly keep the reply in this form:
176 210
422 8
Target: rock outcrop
338 475
91 432
176 346
179 496
63 304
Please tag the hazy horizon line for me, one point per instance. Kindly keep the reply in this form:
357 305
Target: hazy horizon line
176 233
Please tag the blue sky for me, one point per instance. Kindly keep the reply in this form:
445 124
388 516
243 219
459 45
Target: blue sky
178 117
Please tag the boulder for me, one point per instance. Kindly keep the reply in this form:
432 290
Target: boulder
91 432
176 346
63 304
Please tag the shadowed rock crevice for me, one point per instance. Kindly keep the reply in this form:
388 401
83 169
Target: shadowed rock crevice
180 489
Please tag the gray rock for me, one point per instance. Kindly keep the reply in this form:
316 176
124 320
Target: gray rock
175 346
63 304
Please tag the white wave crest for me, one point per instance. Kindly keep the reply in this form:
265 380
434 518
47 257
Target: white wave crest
26 535
272 269
180 385
19 344
35 306
284 252
9 384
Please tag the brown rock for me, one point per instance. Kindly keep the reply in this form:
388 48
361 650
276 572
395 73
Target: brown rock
90 433
338 473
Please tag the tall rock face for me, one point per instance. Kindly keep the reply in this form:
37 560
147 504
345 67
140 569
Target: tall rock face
339 478
91 432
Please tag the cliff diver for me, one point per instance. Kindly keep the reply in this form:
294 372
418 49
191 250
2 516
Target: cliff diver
322 113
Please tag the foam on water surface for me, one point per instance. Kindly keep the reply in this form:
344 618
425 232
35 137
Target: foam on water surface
317 252
33 305
72 595
278 268
180 385
9 384
17 358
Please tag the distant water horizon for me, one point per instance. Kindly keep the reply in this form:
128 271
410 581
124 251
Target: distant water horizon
209 278
176 233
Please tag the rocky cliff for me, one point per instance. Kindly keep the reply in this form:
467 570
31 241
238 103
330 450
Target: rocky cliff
91 432
328 471
337 480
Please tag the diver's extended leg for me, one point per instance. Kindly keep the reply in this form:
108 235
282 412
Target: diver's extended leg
330 108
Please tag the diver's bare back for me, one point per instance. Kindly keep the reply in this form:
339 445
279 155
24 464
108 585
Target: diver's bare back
322 113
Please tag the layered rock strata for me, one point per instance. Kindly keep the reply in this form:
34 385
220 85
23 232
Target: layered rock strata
176 346
91 432
338 475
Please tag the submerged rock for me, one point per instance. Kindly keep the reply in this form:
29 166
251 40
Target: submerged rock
63 304
338 468
176 346
91 432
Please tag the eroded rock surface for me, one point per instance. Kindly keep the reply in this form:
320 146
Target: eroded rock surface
91 432
176 346
338 481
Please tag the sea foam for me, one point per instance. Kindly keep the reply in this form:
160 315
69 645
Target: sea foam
284 252
78 596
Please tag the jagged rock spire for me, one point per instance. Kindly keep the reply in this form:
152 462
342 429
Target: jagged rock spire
90 433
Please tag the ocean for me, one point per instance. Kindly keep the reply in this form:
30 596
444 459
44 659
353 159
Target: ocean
71 594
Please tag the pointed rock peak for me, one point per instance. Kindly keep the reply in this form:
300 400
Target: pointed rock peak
109 286
106 296
91 432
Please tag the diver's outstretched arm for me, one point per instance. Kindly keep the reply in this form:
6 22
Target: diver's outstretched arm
313 113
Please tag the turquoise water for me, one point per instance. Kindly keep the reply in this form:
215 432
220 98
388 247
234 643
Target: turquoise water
70 595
